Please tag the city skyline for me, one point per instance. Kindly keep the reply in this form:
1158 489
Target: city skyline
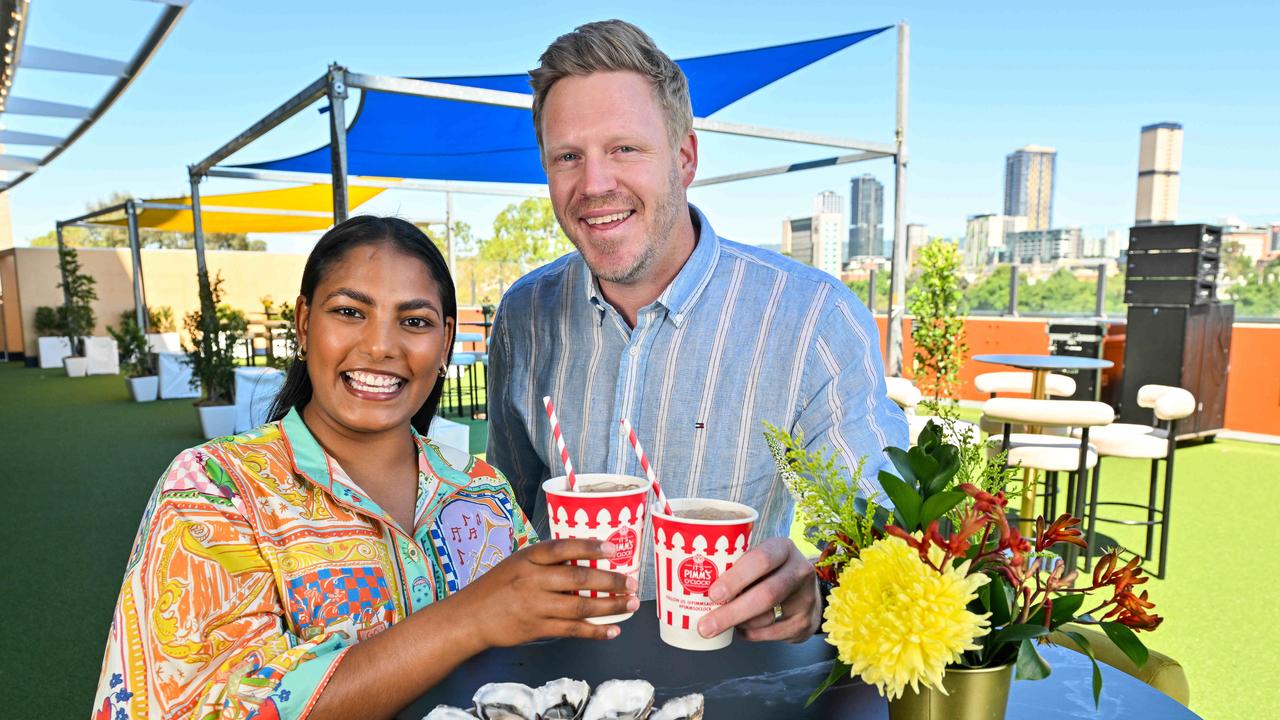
1079 98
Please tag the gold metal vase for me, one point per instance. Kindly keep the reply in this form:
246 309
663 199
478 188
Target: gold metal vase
973 694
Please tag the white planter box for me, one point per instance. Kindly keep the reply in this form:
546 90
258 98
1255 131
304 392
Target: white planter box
143 389
217 420
52 348
76 366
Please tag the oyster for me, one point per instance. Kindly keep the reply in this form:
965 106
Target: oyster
687 707
620 700
445 712
561 699
506 701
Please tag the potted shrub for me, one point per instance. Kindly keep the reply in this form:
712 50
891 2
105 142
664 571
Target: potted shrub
79 319
213 361
137 362
937 308
51 335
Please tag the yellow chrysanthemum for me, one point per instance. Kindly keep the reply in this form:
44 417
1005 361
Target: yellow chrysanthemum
899 622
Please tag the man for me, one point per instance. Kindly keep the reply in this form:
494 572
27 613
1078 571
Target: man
695 339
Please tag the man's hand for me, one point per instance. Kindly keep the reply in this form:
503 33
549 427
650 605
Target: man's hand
773 573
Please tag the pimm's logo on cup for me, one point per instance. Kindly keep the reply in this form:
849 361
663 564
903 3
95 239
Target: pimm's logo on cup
697 574
625 540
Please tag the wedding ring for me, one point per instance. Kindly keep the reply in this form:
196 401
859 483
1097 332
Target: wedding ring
777 613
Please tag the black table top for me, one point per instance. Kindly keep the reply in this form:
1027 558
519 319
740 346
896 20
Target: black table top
1045 362
772 680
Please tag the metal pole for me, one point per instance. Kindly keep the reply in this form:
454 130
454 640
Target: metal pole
208 312
448 233
1100 302
135 252
898 270
4 327
1013 291
871 292
337 92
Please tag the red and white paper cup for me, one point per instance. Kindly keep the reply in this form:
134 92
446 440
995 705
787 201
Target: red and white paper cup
617 517
692 554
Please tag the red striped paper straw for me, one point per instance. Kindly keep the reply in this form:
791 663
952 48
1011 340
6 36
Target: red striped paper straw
555 432
644 463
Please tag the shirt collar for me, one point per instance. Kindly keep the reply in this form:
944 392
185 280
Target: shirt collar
679 296
312 462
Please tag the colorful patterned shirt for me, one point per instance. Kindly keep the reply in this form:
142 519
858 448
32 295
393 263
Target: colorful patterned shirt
259 562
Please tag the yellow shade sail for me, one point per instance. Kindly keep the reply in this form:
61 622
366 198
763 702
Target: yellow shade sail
233 213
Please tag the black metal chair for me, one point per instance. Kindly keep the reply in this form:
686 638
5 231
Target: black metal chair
1154 443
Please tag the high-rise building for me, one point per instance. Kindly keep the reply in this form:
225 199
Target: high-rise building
1044 245
866 217
818 240
1028 185
1275 237
1253 242
984 238
828 202
1159 165
917 236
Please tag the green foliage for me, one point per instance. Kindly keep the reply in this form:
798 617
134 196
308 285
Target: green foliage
825 495
51 321
1061 292
78 288
525 234
1254 290
212 354
936 304
464 239
860 288
131 343
160 318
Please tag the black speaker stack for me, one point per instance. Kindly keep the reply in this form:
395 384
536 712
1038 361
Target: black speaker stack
1177 332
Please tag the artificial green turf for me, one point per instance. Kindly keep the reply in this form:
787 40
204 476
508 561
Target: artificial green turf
78 461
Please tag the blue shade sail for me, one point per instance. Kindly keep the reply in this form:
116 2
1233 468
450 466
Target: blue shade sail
403 136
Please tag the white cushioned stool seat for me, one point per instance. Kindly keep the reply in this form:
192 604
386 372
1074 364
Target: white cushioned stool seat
1020 382
1075 413
1052 453
903 392
1129 440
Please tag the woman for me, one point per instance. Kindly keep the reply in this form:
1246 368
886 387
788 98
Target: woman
336 563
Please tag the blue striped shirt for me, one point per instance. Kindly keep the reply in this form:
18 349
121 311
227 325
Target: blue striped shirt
740 336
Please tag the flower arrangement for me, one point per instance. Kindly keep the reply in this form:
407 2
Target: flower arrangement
944 580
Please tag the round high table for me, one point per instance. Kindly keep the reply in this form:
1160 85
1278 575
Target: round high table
1040 367
746 681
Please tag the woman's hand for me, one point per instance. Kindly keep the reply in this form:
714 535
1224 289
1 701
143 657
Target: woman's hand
533 594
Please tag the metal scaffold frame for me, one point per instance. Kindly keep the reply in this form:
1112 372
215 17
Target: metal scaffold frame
336 83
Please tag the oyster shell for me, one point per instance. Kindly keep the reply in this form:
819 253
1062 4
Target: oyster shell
687 707
506 701
562 699
620 700
446 712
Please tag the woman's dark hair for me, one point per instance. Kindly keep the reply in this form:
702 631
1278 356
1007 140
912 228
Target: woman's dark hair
352 233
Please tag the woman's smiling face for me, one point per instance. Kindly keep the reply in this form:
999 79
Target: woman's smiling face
376 337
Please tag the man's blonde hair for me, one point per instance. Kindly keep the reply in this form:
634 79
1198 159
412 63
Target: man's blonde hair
613 46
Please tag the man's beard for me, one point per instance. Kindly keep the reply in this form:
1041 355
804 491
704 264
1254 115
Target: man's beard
664 213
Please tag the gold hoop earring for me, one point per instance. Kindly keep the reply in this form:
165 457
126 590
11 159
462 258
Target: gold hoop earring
301 354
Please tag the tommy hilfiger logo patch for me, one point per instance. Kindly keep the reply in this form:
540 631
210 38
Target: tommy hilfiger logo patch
699 426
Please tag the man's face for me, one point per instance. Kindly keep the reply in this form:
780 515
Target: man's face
617 184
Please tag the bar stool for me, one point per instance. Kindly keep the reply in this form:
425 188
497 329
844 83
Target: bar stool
907 396
994 383
1145 442
1051 454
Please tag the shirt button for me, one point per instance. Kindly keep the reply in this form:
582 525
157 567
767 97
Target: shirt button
679 317
635 350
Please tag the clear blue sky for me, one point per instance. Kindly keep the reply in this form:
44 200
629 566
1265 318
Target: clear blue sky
986 78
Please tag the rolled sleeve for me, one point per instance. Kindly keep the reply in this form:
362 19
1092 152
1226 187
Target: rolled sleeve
847 406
